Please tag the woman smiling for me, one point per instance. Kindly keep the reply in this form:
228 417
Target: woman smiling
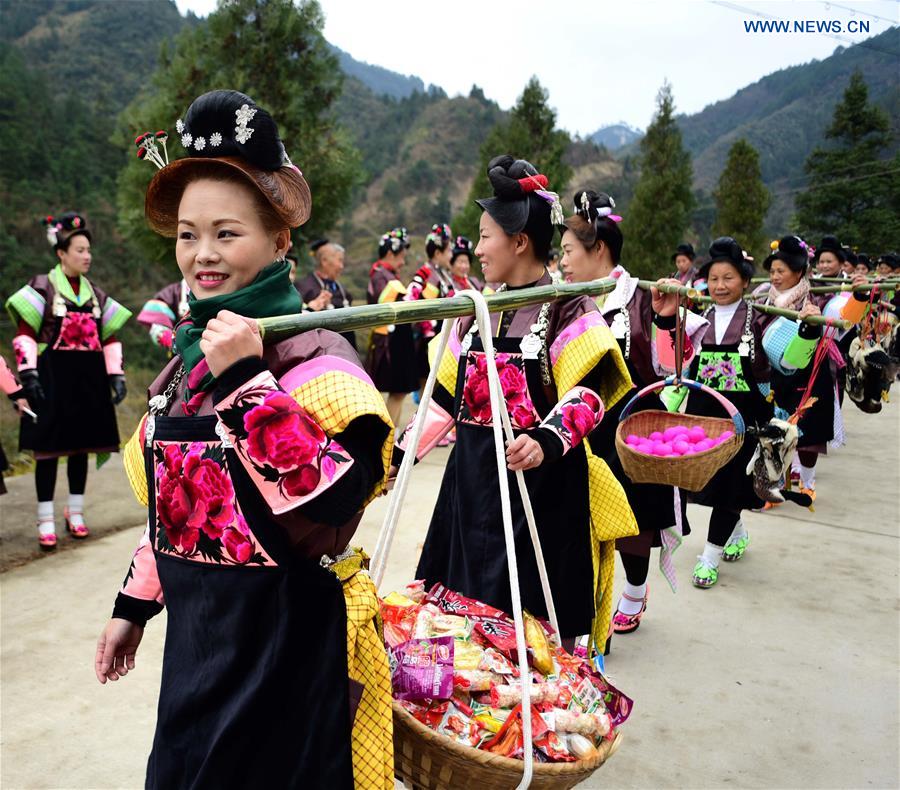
256 462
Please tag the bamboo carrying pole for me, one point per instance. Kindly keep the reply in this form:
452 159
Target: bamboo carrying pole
880 280
814 320
834 289
347 319
668 288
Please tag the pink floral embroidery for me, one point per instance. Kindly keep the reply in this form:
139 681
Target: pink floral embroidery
280 433
575 416
476 393
78 333
196 509
281 444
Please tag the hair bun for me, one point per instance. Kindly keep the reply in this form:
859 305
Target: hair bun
592 205
505 173
229 123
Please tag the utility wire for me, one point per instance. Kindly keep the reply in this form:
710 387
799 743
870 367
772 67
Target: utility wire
835 181
857 11
836 36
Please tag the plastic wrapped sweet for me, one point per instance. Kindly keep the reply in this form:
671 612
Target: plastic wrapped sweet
463 653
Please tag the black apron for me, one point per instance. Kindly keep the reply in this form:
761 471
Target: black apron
731 487
817 421
465 547
255 683
77 413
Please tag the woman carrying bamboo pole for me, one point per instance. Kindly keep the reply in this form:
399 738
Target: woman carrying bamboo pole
642 321
560 368
733 361
256 463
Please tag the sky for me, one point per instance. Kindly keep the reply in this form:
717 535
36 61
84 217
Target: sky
601 61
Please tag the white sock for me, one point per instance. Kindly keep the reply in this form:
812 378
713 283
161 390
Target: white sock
46 524
808 476
713 554
795 464
635 591
740 531
76 510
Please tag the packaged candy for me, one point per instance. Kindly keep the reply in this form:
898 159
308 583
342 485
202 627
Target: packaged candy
540 647
509 741
579 746
498 632
431 621
473 680
494 661
423 669
618 705
430 715
588 724
399 622
461 727
492 719
506 696
454 603
396 599
467 655
554 747
416 590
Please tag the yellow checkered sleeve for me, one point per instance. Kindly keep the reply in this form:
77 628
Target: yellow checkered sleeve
133 458
594 348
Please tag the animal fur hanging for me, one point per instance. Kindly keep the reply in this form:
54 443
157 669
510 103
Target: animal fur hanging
776 444
871 369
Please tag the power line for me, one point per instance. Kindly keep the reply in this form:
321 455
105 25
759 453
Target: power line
857 11
836 36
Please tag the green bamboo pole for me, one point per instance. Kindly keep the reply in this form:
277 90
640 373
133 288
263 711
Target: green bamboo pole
834 289
348 319
814 320
668 288
877 279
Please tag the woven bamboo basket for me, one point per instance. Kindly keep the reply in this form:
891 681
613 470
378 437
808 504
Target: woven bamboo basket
424 758
691 472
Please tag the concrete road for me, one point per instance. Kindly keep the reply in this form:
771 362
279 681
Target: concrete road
784 675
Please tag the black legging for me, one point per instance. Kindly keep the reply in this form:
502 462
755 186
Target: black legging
721 524
45 476
636 568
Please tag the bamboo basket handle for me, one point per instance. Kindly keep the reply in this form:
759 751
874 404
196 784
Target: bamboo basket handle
727 405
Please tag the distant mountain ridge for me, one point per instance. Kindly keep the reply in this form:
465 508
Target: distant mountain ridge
616 135
379 80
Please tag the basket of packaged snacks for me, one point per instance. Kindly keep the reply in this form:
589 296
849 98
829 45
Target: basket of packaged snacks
457 697
481 698
670 448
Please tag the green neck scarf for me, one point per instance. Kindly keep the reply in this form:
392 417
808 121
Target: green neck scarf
271 293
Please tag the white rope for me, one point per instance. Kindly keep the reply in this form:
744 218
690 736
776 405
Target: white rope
501 426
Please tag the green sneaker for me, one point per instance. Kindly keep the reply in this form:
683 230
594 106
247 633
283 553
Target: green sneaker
735 548
705 575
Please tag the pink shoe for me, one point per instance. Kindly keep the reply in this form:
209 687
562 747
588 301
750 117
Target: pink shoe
626 623
47 542
79 531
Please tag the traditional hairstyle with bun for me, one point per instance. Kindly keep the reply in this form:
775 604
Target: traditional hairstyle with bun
62 229
462 246
521 201
594 221
792 251
726 250
437 239
229 138
393 241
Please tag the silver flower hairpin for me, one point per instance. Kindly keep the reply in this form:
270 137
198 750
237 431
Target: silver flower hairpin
243 116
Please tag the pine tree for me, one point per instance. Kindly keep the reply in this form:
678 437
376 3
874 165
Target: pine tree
741 199
660 211
853 188
274 51
529 133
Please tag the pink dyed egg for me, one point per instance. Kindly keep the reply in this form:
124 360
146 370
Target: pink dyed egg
697 433
671 433
660 451
632 439
645 447
703 445
726 435
656 436
690 451
680 446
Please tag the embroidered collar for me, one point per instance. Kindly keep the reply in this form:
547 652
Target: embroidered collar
62 285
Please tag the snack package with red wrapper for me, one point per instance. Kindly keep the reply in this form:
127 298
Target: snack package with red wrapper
454 603
510 741
398 622
423 669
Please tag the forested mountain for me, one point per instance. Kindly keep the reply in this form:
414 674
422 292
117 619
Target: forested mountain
616 135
